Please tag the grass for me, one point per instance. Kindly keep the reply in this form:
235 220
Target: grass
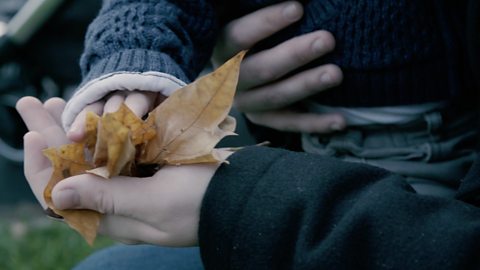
29 240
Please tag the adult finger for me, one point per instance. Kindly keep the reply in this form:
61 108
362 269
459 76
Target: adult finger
140 102
269 65
245 32
299 122
288 91
77 130
55 107
37 118
37 167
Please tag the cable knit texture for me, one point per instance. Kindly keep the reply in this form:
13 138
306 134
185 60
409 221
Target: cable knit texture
144 35
391 52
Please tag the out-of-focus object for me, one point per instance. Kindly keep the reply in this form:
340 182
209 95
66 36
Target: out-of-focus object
40 45
32 15
473 36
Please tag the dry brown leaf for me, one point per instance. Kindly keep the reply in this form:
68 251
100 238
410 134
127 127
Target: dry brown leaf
184 129
118 135
114 148
227 127
189 122
91 127
69 160
141 131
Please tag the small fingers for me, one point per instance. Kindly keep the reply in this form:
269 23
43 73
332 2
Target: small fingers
140 102
77 130
270 65
243 33
288 91
299 122
113 102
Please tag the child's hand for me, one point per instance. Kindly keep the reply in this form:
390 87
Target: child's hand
162 209
139 102
261 96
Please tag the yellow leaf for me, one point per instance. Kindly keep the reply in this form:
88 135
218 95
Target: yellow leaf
114 148
69 160
91 127
141 131
179 157
189 122
184 129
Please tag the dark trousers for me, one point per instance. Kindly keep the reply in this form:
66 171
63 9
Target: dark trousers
433 152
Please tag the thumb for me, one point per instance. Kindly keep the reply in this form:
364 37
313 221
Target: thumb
92 192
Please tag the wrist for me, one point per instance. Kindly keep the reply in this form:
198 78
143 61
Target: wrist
97 89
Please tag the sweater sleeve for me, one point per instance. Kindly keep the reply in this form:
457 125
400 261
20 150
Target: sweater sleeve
143 45
274 209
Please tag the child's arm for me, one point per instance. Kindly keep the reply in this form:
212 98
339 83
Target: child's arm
142 45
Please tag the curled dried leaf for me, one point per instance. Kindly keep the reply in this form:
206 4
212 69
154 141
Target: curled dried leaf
69 160
141 131
91 129
183 129
114 148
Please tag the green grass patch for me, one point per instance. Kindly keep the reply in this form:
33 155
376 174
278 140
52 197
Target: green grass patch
41 243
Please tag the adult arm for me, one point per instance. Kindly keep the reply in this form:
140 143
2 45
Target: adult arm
273 209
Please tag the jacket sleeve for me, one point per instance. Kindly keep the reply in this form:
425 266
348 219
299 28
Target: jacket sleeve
143 45
274 209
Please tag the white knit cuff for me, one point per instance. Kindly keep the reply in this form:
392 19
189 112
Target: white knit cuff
125 81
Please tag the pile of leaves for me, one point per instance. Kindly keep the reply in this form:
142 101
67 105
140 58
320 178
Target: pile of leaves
183 129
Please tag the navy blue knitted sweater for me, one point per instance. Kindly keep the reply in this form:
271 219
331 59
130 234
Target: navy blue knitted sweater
391 52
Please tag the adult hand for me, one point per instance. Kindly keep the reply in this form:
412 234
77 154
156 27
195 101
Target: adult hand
162 209
140 102
264 94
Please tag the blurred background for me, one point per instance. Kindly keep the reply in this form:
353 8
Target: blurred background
40 45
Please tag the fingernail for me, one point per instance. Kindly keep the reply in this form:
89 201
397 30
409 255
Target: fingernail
65 199
326 77
318 46
336 127
291 12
